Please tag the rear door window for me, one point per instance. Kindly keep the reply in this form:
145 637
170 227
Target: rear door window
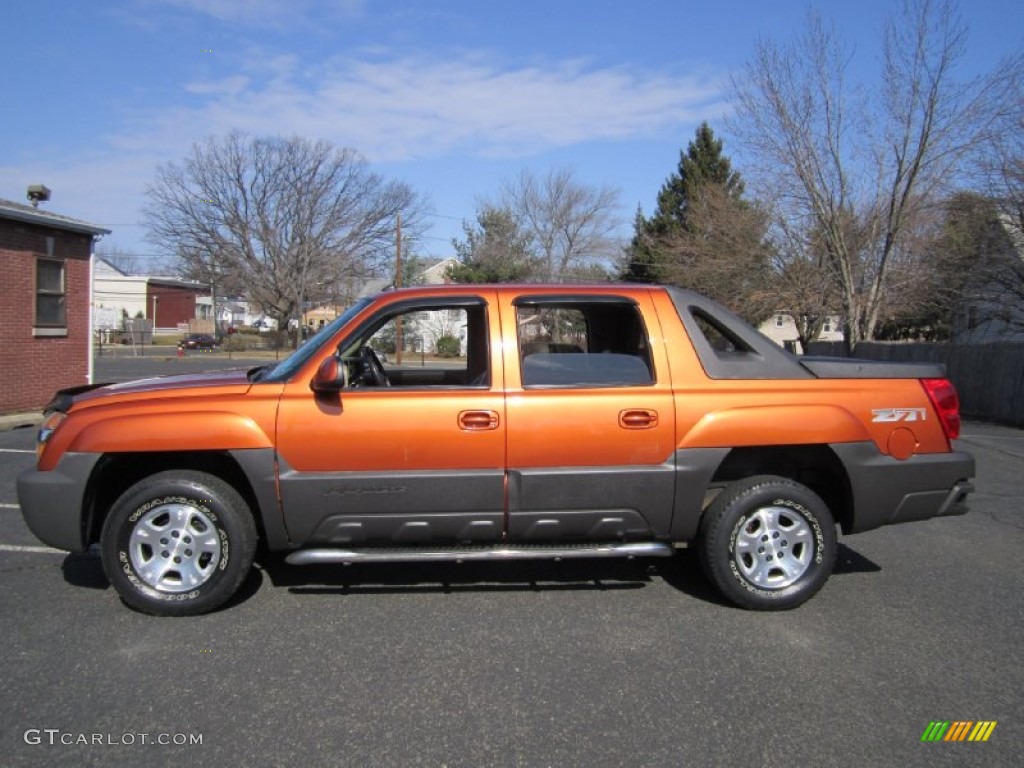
581 343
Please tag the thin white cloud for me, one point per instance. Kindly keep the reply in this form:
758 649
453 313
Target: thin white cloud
395 110
390 111
229 86
265 13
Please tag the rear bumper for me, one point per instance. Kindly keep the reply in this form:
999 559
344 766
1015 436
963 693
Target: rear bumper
887 491
51 502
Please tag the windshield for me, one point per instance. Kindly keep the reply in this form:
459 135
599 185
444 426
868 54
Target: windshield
287 367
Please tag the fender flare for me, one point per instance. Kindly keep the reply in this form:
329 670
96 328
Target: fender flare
156 432
786 425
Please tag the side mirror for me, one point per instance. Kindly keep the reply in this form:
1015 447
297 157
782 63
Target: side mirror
330 377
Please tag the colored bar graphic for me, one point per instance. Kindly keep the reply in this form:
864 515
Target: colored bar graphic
982 730
958 730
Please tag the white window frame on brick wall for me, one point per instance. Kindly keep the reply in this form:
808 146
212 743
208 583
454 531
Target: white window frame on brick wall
50 291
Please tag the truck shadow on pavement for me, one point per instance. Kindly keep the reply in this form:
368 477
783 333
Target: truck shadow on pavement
682 572
851 561
84 569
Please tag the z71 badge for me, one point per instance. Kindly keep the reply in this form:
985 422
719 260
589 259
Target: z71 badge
885 415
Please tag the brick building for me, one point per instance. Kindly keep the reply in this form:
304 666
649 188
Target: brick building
45 299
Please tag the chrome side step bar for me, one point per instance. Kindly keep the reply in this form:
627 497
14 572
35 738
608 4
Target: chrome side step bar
477 553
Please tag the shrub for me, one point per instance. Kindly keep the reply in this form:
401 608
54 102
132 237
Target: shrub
235 343
447 346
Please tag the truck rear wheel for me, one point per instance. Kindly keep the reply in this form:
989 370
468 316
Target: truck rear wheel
178 543
768 543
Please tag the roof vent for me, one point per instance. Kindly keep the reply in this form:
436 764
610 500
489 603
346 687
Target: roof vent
38 193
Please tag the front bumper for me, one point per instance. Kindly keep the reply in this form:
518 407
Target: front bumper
887 490
52 503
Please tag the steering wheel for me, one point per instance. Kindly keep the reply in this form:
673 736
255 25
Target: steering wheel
372 368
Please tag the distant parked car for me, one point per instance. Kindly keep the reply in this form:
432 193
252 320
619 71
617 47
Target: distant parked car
200 341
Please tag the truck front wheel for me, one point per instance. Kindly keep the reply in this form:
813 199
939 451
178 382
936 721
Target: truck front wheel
768 543
178 543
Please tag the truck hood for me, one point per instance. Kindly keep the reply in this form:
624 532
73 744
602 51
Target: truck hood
226 381
180 381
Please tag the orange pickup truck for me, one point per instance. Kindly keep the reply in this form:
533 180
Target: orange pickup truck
557 422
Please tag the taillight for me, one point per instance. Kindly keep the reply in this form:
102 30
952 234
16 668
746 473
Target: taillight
944 399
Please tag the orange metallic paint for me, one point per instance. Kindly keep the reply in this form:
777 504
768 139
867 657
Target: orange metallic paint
581 427
214 418
202 430
387 430
811 411
775 425
902 443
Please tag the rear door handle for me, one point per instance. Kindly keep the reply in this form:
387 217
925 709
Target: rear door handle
638 418
478 420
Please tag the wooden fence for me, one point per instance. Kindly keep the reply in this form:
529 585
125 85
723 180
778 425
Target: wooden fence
989 377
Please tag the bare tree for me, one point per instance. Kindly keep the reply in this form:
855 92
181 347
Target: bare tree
1003 163
285 219
981 249
836 163
129 263
571 225
722 252
802 284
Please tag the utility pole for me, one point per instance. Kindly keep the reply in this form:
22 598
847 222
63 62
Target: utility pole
156 302
210 262
398 284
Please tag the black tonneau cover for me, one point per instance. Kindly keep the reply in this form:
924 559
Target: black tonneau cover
853 368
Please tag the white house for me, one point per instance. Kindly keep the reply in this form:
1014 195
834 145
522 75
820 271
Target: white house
781 328
167 302
116 294
991 307
232 312
437 273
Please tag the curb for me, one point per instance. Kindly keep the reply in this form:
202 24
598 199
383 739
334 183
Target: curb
10 421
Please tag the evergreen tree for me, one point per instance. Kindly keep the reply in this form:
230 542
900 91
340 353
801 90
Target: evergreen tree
702 164
496 250
643 264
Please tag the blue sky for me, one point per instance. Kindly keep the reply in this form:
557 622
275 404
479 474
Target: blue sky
448 96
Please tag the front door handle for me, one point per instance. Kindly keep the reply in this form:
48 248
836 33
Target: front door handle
638 418
478 420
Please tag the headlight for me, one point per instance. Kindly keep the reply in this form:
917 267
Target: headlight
47 429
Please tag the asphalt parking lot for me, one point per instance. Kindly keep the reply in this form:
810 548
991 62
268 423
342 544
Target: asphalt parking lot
549 664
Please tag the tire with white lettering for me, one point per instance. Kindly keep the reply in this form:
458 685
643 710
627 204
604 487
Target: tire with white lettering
178 543
768 543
